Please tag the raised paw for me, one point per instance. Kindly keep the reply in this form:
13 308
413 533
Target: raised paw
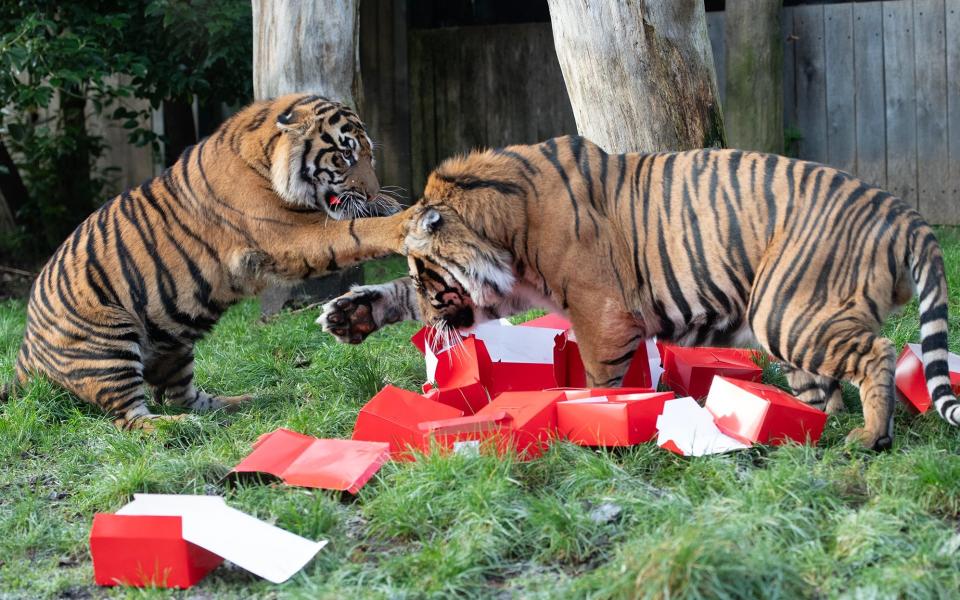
350 318
870 439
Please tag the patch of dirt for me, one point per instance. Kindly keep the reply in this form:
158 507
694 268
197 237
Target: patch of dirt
14 282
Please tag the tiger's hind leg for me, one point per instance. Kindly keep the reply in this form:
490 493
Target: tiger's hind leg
820 392
171 374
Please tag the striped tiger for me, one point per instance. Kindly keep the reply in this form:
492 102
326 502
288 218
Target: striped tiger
268 198
706 247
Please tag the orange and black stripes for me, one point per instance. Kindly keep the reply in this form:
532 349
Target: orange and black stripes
706 247
127 295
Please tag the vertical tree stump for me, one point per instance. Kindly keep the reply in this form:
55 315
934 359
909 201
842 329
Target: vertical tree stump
308 47
640 74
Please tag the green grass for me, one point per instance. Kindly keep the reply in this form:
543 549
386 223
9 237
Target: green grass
790 522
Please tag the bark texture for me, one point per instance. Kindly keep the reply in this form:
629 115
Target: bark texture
639 74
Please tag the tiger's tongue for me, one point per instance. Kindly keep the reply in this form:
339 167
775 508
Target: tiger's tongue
333 199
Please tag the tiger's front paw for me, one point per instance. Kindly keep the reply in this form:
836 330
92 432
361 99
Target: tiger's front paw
872 440
351 317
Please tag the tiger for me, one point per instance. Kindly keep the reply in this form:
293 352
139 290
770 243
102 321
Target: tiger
713 247
271 197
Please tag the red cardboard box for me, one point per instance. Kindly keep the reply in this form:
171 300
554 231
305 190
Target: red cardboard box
644 369
492 358
532 420
622 420
146 551
306 461
690 371
911 382
758 413
468 433
393 416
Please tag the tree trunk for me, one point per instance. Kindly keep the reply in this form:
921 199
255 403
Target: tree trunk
640 74
178 129
753 109
308 47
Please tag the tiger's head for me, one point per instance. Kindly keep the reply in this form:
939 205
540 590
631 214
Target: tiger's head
461 274
323 159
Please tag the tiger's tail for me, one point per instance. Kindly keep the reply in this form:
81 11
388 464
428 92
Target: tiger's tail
925 259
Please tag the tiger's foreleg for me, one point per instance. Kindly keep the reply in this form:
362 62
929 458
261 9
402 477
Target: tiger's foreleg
607 339
364 309
171 375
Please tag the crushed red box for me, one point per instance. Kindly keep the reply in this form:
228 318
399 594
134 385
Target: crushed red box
490 359
306 461
758 413
394 416
614 420
690 371
911 382
143 550
522 421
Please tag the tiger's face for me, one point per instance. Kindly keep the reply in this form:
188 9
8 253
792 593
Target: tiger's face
458 274
324 160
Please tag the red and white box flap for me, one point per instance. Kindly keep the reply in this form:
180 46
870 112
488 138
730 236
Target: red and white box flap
911 382
208 523
762 414
306 461
688 429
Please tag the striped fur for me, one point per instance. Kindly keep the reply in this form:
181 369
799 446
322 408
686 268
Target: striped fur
707 247
268 198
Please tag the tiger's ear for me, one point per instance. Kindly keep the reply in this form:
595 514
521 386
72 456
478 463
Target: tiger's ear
431 221
298 121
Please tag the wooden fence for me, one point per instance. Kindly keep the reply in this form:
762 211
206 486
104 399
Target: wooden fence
870 87
874 88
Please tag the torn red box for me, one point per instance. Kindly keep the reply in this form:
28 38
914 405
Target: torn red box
469 433
758 413
174 540
393 416
911 381
522 421
616 420
690 371
306 461
146 551
644 370
493 357
688 429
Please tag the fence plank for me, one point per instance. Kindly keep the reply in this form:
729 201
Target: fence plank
870 107
931 86
841 115
715 25
811 82
789 80
901 104
953 106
